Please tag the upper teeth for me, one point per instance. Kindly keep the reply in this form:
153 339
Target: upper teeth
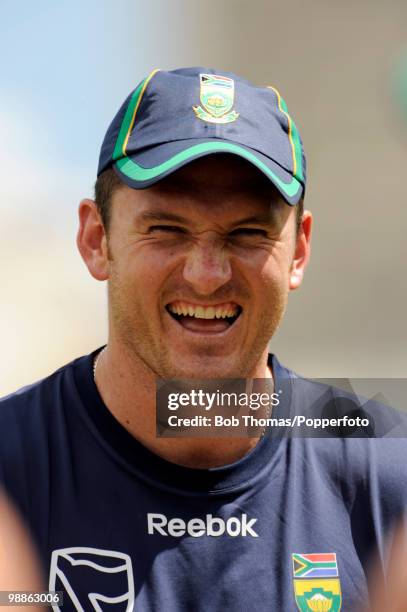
203 312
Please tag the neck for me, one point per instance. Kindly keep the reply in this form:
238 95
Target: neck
127 387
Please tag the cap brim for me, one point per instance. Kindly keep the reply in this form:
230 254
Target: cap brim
145 168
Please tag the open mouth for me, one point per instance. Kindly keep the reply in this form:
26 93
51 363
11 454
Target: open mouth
200 318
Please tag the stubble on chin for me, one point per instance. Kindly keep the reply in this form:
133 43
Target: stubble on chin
131 327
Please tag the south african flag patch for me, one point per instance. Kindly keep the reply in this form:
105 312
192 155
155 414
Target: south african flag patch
316 582
315 565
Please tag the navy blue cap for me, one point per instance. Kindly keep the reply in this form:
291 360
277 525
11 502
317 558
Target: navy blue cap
174 117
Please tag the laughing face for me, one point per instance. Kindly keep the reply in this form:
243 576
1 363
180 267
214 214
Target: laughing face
200 266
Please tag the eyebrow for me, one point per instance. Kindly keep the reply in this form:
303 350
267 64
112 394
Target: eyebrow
158 215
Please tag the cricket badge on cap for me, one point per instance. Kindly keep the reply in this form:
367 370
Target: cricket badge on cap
217 96
316 582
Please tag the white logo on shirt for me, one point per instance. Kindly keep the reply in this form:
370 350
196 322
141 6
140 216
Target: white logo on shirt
68 566
196 527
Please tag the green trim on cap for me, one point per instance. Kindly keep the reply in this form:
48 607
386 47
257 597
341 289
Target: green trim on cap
296 141
127 119
137 173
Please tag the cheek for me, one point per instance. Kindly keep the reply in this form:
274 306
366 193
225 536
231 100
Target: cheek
137 280
275 289
273 274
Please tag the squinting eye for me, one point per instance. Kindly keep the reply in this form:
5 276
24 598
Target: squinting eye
169 229
249 231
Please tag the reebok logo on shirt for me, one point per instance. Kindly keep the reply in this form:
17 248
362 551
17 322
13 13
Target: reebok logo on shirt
196 527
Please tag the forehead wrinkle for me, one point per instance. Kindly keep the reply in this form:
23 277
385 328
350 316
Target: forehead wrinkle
246 200
212 176
211 190
221 196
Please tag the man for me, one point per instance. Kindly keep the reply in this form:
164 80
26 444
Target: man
198 227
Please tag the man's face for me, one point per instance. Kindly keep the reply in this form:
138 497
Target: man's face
199 269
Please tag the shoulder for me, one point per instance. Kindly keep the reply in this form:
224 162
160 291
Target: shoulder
30 416
36 432
32 401
40 396
348 436
347 408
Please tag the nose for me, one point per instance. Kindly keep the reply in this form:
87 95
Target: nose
207 266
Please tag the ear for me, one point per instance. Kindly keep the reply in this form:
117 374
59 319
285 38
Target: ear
302 251
92 241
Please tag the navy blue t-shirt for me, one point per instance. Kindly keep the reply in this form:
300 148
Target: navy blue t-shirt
293 523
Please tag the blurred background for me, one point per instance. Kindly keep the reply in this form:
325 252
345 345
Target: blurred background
342 68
